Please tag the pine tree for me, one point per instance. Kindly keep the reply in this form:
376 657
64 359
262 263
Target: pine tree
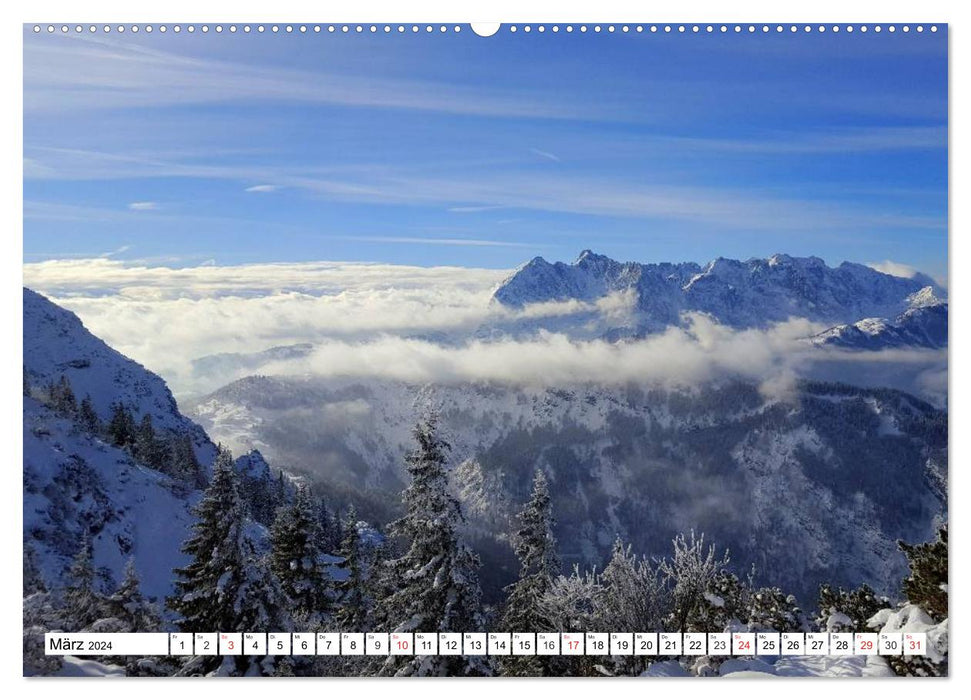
226 586
353 613
840 610
206 588
121 426
185 468
259 601
771 609
926 586
539 565
88 417
295 558
83 603
329 540
436 583
33 578
148 449
127 605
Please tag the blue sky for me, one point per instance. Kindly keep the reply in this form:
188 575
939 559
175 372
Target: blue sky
459 150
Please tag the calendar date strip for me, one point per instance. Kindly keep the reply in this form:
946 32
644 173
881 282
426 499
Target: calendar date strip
659 644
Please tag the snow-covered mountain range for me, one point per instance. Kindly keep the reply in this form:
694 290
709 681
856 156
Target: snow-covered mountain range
742 294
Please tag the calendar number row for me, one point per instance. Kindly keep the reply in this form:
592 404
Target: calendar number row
488 644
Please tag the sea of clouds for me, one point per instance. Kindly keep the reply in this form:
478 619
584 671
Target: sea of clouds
427 324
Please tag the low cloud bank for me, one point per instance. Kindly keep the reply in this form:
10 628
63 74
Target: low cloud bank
428 325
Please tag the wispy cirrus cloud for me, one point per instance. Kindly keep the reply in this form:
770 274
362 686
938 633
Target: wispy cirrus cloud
572 193
98 73
143 206
263 188
545 154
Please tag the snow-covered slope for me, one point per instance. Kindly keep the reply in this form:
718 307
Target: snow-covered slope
922 325
76 486
57 344
814 488
742 294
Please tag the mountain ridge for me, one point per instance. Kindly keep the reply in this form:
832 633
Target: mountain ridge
740 294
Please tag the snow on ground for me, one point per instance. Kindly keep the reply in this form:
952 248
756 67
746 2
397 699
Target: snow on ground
74 482
75 667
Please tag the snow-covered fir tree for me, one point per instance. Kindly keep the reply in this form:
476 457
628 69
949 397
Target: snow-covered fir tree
83 603
295 557
226 586
130 608
436 585
771 609
841 610
539 565
353 612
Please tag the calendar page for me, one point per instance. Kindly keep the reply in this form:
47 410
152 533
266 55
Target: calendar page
525 349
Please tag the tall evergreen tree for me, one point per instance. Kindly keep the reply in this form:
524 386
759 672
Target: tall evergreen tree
132 609
353 611
83 603
539 564
295 557
227 585
436 582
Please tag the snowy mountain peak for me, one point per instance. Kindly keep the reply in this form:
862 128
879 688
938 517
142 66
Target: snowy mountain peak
925 297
